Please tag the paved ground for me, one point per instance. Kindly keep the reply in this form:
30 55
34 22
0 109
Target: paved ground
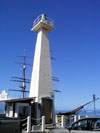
59 131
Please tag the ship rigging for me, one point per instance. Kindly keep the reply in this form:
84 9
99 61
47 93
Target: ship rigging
23 79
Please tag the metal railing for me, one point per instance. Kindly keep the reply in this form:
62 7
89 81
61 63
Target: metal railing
46 20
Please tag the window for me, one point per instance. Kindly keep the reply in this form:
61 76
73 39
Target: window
87 124
97 125
80 125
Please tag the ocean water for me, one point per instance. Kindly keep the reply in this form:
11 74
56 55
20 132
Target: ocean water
2 107
89 113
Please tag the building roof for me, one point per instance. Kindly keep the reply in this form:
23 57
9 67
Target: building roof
19 100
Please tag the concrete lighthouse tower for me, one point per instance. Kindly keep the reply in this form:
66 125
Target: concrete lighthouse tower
41 81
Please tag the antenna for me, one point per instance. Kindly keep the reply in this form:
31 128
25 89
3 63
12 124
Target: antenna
22 79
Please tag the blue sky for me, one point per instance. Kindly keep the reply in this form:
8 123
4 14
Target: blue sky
75 43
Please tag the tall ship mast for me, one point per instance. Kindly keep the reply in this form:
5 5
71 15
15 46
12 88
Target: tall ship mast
22 79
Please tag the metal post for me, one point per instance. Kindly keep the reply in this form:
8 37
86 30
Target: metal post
62 121
79 117
43 17
94 105
56 119
29 124
43 123
75 119
86 116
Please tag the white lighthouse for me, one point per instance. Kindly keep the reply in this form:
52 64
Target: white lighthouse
41 81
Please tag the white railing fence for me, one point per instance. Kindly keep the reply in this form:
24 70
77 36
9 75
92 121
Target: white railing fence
44 19
63 120
29 127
